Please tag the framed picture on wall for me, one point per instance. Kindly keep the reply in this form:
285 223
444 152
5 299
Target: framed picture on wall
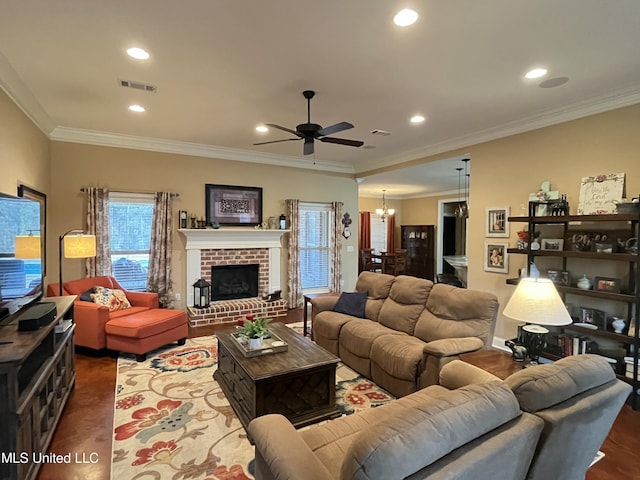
496 224
233 205
495 257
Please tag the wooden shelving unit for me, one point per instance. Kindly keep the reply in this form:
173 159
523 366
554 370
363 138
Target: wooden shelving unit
37 374
630 297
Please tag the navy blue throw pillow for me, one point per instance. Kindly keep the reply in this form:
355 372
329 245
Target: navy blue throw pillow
86 296
351 304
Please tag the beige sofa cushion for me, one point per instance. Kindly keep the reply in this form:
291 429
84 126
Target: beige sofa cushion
357 336
377 286
544 386
406 301
453 312
400 445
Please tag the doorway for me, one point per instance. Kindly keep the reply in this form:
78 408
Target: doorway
452 237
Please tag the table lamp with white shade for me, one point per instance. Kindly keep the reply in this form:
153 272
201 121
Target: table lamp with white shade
537 302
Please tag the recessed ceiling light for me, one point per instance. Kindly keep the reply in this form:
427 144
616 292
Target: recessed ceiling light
138 53
536 73
405 17
136 108
262 128
417 119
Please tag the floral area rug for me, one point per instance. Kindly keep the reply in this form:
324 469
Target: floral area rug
172 421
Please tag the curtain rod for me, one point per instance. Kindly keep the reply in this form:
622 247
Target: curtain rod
175 195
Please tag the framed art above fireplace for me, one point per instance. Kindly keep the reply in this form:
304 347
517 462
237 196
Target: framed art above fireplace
233 205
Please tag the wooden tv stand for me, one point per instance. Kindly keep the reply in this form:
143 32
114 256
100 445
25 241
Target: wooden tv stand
37 374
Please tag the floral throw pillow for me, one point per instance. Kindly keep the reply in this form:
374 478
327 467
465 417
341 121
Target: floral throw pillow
112 298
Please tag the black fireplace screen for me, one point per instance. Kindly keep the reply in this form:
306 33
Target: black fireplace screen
229 282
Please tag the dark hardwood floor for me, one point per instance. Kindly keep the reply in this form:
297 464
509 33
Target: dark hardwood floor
87 424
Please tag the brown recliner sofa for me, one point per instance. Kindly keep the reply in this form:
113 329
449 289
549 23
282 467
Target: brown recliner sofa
412 328
468 427
139 329
578 398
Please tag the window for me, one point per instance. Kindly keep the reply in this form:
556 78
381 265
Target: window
378 233
130 217
315 221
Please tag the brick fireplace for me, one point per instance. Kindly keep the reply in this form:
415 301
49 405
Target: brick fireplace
207 248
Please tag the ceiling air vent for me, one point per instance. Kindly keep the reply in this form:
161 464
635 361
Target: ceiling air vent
377 131
147 87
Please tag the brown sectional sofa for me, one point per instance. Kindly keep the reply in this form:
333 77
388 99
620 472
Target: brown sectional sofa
468 427
412 328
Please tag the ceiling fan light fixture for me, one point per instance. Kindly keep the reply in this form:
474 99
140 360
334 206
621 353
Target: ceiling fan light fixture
405 17
262 129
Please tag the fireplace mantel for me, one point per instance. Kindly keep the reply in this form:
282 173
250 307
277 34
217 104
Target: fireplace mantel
231 238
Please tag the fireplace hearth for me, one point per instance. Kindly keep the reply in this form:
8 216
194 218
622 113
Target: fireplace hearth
231 282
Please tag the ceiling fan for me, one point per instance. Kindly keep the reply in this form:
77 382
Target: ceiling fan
312 131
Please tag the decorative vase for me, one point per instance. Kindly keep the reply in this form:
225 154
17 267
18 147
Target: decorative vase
584 283
255 343
617 324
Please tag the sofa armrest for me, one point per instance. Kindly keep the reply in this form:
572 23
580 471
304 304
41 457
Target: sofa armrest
90 319
283 452
322 304
142 299
449 347
458 374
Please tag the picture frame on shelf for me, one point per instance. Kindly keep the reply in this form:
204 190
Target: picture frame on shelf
592 318
554 244
496 224
233 205
554 276
565 278
495 257
606 284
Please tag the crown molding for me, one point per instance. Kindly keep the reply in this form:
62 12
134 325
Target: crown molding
619 99
104 139
18 92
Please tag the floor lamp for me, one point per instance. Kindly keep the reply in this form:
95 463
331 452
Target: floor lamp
75 244
536 302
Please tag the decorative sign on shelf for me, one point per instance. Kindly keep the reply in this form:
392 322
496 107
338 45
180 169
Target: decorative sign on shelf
599 194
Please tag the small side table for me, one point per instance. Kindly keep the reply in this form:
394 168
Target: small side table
307 299
496 362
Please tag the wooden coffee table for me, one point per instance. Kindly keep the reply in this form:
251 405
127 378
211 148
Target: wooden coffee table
299 383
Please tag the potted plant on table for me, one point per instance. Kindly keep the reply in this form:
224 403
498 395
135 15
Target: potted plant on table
255 331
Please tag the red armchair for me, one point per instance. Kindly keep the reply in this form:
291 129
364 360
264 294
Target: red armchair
138 329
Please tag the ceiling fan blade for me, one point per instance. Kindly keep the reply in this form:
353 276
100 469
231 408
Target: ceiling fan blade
277 141
283 128
308 146
338 127
342 141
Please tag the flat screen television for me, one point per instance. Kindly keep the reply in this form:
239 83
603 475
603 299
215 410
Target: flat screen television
21 277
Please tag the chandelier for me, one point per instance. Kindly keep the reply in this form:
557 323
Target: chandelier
384 211
462 210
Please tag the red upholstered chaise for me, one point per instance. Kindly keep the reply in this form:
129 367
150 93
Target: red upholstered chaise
139 329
